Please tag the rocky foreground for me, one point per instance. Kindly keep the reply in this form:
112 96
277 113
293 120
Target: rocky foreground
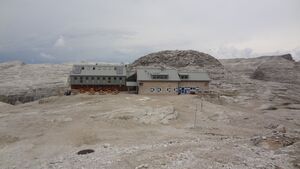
128 131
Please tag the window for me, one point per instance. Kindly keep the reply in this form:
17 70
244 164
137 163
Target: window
169 90
141 84
115 78
75 78
109 78
104 78
82 68
184 76
98 78
152 90
80 80
92 78
159 76
158 89
86 78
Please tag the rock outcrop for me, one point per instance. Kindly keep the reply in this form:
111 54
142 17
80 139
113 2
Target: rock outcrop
183 59
20 82
268 78
278 69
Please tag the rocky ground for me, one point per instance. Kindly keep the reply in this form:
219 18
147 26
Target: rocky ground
252 120
20 82
134 131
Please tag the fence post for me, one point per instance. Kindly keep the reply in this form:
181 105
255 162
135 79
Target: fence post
195 117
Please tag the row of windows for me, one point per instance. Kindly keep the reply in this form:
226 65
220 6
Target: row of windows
98 78
158 89
104 68
184 76
181 89
159 76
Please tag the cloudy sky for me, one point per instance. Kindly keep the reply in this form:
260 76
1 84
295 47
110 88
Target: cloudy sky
55 31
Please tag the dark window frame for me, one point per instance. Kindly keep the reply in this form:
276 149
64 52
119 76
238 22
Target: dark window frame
184 76
160 76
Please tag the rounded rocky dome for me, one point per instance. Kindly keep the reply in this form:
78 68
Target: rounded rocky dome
177 59
184 60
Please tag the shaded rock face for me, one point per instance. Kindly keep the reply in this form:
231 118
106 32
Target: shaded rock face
20 83
247 66
278 69
276 57
269 78
183 59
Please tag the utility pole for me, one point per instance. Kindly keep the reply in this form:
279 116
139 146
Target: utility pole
195 117
201 109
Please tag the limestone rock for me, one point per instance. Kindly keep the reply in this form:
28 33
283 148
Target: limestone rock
183 59
281 69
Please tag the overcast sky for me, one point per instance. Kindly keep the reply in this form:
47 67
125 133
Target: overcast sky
55 31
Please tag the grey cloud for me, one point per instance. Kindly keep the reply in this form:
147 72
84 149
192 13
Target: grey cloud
117 30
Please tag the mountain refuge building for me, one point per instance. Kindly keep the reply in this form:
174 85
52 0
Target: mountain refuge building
171 81
100 77
142 81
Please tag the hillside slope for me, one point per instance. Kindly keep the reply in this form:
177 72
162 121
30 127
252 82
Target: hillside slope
268 77
21 82
183 59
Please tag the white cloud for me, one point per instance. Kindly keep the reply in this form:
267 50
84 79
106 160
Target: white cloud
60 42
47 56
